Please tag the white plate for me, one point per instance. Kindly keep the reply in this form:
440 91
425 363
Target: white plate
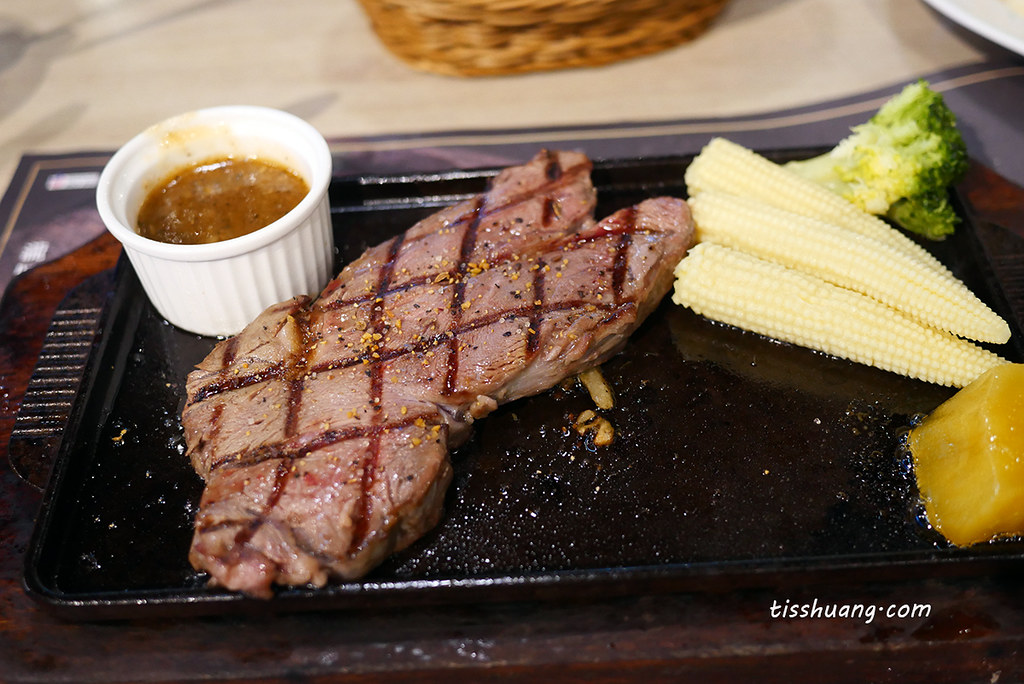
1001 21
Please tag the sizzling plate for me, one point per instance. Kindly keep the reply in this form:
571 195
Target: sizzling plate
737 460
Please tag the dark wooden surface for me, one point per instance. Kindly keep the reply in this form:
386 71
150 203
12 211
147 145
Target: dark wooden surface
974 632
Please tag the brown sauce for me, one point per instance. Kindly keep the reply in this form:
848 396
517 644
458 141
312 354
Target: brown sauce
218 200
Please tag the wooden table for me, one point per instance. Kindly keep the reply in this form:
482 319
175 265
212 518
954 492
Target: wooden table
973 632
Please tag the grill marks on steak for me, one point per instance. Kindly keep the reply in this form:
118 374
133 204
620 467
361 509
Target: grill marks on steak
323 429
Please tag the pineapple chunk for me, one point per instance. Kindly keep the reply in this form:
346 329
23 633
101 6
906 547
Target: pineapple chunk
969 459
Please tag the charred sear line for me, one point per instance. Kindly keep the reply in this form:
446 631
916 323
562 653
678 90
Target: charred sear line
236 382
293 406
388 268
621 267
551 211
296 369
552 169
459 292
251 457
230 349
359 300
623 310
284 467
292 451
365 502
372 455
246 533
216 423
537 310
376 324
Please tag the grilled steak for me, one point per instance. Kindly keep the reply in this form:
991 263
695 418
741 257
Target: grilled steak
323 429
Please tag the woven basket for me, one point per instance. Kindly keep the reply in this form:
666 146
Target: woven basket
494 37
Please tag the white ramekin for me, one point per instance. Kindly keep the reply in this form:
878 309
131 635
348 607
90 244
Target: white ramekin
217 288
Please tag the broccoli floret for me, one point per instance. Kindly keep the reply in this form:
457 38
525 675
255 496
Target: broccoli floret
900 163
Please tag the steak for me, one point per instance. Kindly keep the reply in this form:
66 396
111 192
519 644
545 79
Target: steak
323 429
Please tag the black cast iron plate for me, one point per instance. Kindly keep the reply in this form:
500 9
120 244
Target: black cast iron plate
737 460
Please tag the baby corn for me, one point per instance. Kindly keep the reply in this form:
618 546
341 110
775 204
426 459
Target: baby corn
848 259
755 294
728 167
